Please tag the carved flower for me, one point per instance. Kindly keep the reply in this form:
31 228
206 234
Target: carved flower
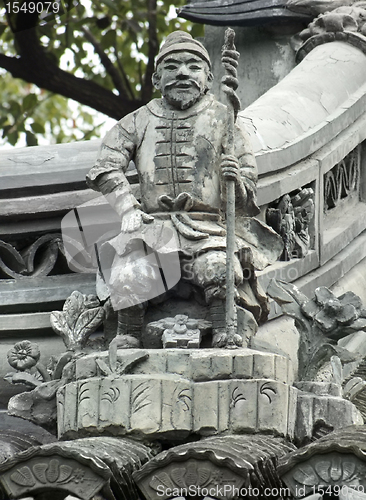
335 317
23 355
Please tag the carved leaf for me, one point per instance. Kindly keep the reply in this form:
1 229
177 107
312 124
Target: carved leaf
65 473
320 357
25 378
52 473
111 395
59 324
236 396
83 393
337 369
72 308
23 477
204 476
348 470
103 367
323 295
306 475
178 477
351 298
268 391
290 299
131 361
347 315
310 309
140 397
323 468
88 322
39 470
185 399
336 473
161 479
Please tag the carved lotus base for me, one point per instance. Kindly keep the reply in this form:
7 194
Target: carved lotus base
157 405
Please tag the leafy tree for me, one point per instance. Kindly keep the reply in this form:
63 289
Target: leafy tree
100 53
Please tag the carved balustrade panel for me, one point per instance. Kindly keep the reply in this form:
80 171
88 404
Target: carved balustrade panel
342 181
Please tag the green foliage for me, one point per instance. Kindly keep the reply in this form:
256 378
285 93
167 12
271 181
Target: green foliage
77 41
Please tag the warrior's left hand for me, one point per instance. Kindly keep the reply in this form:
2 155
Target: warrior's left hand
230 168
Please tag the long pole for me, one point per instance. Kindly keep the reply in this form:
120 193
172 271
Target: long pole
229 84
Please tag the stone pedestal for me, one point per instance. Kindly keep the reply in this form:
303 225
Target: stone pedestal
177 392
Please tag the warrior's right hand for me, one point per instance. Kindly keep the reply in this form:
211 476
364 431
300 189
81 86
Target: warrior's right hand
133 220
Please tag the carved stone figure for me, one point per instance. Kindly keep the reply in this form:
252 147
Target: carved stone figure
178 146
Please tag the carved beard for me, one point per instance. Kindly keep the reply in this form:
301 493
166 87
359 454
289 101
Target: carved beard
183 98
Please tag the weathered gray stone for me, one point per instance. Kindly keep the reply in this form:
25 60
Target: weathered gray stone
198 365
320 321
91 468
322 404
166 405
230 462
179 331
334 462
185 202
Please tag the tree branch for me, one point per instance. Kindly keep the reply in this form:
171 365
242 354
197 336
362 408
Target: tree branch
34 66
107 63
147 88
127 83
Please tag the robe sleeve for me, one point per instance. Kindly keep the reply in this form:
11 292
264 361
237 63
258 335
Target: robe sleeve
108 174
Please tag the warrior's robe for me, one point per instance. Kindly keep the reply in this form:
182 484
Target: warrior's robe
180 151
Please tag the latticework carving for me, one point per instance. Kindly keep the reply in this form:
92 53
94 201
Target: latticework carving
342 180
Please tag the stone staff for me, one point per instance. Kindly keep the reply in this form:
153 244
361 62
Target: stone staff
229 82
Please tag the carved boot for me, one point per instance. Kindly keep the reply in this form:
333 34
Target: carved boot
219 327
129 327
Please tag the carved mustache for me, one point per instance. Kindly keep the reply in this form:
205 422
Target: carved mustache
177 83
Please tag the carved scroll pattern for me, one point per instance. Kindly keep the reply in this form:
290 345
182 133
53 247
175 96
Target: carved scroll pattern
37 259
342 180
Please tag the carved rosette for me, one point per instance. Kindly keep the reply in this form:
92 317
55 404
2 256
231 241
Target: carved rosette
51 472
330 470
158 405
214 467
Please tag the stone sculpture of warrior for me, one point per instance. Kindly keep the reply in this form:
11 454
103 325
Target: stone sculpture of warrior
177 145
